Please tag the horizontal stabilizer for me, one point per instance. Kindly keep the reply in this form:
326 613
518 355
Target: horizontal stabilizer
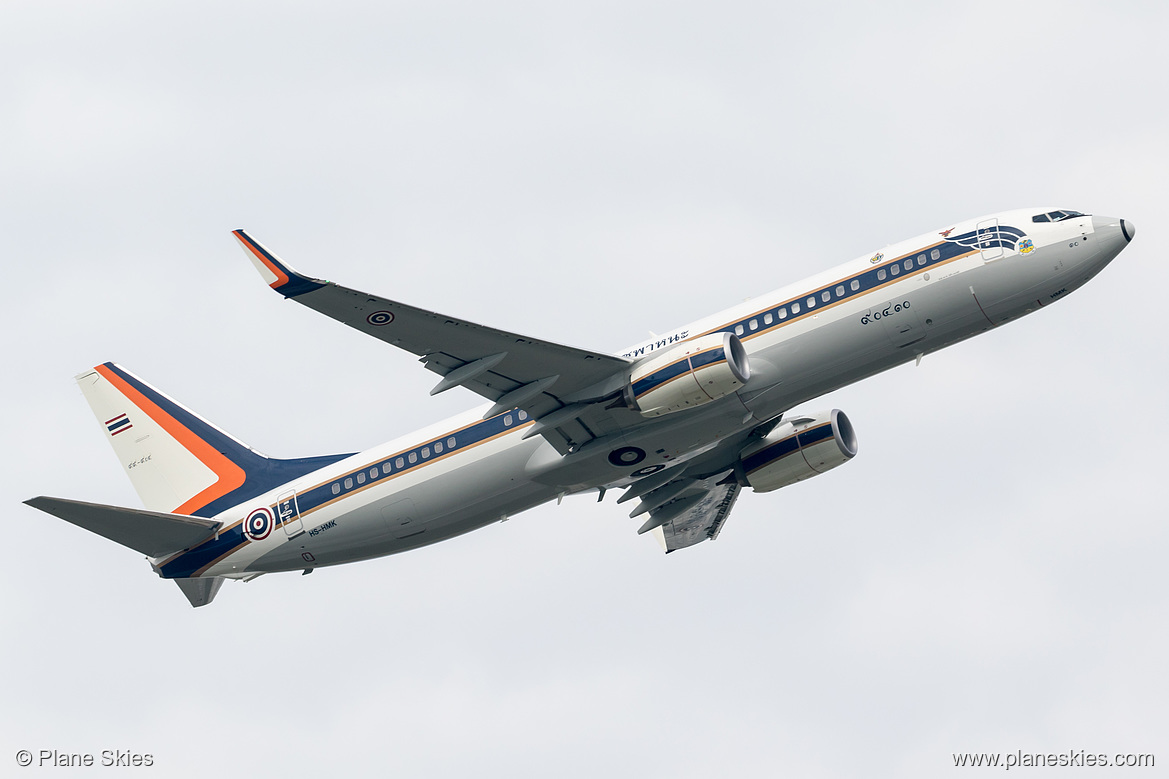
152 533
200 592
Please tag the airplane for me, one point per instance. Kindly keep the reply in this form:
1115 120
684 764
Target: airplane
682 422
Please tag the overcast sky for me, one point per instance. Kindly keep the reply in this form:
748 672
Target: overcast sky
989 574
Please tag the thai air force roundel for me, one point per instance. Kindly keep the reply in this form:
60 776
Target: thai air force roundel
258 524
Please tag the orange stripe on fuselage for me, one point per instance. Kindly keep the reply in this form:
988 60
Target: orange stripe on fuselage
281 276
230 476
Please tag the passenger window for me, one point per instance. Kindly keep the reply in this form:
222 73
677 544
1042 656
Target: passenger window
523 415
795 308
826 296
881 275
349 484
753 324
425 452
450 442
921 259
373 474
840 291
412 457
361 478
894 269
507 420
854 285
811 302
399 463
782 313
438 447
336 488
386 467
738 329
767 318
935 255
909 265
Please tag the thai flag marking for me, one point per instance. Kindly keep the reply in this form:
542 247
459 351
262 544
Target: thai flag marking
118 424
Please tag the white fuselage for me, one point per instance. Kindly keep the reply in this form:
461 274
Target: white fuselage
803 341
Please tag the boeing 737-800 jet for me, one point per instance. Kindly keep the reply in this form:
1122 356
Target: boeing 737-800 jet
682 423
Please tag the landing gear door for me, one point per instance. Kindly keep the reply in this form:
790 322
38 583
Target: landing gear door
289 514
988 239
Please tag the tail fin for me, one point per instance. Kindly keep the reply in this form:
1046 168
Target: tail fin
178 462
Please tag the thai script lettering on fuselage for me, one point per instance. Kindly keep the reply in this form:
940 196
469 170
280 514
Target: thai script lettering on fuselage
641 351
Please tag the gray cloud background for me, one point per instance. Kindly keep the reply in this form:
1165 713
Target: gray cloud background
988 575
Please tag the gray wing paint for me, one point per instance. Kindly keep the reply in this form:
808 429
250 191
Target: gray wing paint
700 519
152 533
512 370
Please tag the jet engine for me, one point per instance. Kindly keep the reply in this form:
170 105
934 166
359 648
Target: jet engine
798 449
688 375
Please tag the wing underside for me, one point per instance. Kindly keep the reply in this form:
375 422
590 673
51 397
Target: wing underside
700 520
564 388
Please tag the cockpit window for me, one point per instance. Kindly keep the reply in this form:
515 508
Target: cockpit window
1056 216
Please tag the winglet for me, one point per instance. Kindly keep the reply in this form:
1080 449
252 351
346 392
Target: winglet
275 272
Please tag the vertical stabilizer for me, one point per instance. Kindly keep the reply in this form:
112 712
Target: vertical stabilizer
178 462
172 468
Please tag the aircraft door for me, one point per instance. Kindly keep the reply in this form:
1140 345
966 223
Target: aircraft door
289 514
988 240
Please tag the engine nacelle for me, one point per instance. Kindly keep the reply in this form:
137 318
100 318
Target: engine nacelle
798 450
688 375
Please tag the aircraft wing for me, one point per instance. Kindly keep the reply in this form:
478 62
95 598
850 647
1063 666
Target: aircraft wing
562 384
689 503
701 519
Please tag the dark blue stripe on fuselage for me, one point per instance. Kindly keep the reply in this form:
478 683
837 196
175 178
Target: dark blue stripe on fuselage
866 281
190 563
317 496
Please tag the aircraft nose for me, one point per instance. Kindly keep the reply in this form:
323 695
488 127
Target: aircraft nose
1113 231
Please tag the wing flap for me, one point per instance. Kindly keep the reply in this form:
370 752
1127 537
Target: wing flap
152 533
700 520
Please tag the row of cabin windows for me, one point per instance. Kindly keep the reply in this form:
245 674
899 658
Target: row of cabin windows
508 421
397 465
826 296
